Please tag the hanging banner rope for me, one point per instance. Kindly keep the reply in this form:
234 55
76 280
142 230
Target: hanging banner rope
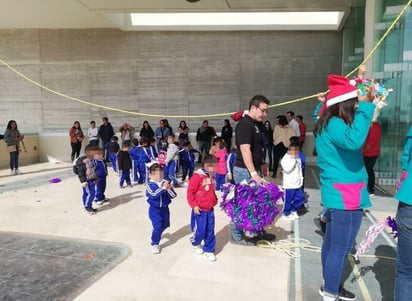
205 115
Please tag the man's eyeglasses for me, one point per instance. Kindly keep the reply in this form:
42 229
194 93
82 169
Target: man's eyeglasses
262 110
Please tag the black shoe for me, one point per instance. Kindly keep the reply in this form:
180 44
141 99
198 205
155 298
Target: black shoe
343 294
320 224
243 242
264 236
91 210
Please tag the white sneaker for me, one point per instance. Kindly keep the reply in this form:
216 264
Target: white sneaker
210 256
12 172
198 249
155 249
295 215
17 171
288 217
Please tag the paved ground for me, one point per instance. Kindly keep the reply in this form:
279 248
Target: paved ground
39 220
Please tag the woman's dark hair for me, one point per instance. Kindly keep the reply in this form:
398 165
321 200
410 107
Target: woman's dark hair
227 122
180 124
282 120
268 122
344 110
9 124
74 123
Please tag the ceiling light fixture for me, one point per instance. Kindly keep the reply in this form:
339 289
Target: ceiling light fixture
238 21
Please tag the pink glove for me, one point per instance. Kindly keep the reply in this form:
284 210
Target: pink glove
403 177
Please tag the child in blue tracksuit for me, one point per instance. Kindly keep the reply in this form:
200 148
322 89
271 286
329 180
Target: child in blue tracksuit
101 171
134 155
187 153
294 140
144 157
152 149
230 164
202 198
159 193
292 182
113 148
86 171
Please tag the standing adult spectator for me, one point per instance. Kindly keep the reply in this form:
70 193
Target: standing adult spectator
227 133
249 159
183 133
12 137
403 280
93 134
281 140
290 116
76 138
268 143
106 133
146 130
340 134
126 133
168 126
371 152
161 134
302 130
204 136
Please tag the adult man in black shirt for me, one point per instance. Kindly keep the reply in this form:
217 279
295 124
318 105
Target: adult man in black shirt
106 133
204 136
249 142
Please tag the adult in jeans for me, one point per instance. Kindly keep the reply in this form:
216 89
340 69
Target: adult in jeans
268 143
76 138
106 133
403 280
12 137
204 136
161 134
340 134
249 159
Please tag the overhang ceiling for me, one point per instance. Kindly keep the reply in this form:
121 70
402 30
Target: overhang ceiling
75 14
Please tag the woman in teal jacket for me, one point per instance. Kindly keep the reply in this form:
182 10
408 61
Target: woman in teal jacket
403 281
340 134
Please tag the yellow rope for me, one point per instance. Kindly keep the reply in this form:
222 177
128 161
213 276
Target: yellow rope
204 115
382 38
286 246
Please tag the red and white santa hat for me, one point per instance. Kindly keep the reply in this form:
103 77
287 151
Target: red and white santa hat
340 89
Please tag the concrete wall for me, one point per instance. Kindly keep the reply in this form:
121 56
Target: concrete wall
165 73
28 156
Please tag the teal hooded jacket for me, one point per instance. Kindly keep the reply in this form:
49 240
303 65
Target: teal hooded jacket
404 193
343 175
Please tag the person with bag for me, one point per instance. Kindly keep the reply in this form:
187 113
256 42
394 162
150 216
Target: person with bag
281 140
12 137
76 137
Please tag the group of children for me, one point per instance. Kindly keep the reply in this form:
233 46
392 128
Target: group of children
201 198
